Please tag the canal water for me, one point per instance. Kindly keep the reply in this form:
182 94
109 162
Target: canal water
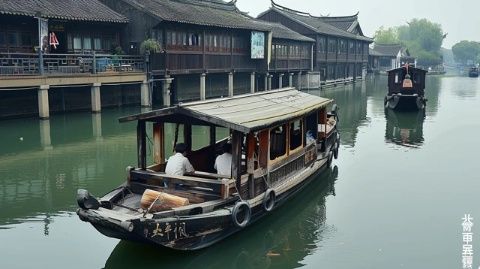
395 198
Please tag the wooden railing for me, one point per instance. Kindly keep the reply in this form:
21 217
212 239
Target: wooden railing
280 64
21 64
194 61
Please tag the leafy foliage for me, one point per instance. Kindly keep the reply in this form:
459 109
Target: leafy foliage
422 37
386 36
150 45
465 51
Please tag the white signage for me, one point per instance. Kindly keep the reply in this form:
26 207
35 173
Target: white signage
258 45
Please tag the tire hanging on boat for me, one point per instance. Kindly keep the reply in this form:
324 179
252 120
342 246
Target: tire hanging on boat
335 149
330 158
239 209
269 200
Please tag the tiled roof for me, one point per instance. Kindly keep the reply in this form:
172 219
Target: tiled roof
280 31
345 23
319 24
387 50
78 10
200 12
373 52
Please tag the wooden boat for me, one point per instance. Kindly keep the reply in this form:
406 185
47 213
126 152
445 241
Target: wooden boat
280 141
406 88
473 72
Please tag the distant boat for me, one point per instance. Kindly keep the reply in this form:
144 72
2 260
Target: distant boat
473 72
406 89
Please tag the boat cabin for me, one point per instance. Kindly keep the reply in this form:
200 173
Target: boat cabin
273 134
406 80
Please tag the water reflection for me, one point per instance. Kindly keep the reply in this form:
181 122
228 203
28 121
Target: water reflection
404 128
352 101
280 240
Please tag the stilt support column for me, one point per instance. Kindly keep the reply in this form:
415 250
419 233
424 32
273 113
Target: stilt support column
166 86
43 104
252 82
202 86
145 94
96 99
230 84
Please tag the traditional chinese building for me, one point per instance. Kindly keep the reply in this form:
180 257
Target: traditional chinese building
209 48
56 55
388 56
80 26
341 49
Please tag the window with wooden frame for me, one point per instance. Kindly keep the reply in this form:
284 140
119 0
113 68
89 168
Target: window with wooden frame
278 142
296 135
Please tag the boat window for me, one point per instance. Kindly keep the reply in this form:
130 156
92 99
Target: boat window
278 137
296 134
200 137
396 78
311 125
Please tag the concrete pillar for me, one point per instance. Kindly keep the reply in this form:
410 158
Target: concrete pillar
269 82
145 96
290 79
166 84
202 86
252 82
299 82
308 80
97 126
43 104
230 84
280 81
266 82
95 96
45 138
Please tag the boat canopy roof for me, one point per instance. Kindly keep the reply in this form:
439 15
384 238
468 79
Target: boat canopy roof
244 113
411 68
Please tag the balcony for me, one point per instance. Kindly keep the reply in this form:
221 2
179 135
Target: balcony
32 64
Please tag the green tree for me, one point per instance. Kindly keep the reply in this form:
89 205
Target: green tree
386 36
465 51
421 37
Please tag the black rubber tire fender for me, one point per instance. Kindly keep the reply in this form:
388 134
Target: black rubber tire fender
237 209
269 200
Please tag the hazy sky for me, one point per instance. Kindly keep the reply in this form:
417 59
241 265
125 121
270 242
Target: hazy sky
459 18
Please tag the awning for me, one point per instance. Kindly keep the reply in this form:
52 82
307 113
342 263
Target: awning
244 113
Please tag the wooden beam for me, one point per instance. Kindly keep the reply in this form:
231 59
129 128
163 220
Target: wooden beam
213 135
237 139
141 145
158 143
251 143
204 48
187 135
263 150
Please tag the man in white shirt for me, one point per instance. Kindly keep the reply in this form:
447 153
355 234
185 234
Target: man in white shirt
223 163
178 164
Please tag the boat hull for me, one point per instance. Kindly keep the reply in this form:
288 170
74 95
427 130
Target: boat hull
188 232
401 102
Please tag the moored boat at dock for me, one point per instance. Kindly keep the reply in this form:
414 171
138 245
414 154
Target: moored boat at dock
280 141
406 89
